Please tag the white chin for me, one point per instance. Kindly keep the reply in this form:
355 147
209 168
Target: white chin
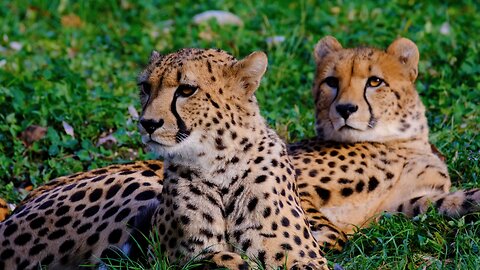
185 149
338 124
345 132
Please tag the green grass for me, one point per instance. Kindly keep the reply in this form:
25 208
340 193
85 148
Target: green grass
85 76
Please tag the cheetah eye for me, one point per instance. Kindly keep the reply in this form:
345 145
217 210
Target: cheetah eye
145 88
374 82
185 90
331 81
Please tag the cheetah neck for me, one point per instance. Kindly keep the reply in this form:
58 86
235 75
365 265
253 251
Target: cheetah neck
243 154
417 144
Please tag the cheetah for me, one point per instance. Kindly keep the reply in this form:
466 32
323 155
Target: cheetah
229 186
77 219
372 152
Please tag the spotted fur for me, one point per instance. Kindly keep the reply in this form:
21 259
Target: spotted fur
372 153
80 218
229 186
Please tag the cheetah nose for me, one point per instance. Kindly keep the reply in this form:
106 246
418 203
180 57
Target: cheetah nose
151 125
345 110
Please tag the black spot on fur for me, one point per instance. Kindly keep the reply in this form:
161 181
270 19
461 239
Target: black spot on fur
46 204
114 236
112 191
56 234
91 211
372 183
22 239
145 195
148 173
324 194
36 249
37 223
62 210
66 246
252 204
92 239
95 195
260 179
346 192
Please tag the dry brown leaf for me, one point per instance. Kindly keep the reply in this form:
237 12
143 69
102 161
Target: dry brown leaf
335 10
207 35
32 134
438 153
71 20
72 52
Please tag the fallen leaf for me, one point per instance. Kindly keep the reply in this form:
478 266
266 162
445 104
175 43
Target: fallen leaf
72 52
351 15
428 27
12 207
17 46
68 129
438 153
275 40
445 29
107 140
125 4
32 134
207 35
222 17
71 20
335 10
133 112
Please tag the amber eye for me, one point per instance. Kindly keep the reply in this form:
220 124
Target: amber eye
331 81
185 90
374 82
145 88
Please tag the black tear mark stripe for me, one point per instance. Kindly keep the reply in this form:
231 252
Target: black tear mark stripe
182 128
372 118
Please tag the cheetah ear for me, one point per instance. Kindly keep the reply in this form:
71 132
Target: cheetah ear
324 47
407 53
154 56
249 71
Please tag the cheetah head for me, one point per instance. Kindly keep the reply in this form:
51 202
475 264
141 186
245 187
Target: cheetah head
193 99
366 94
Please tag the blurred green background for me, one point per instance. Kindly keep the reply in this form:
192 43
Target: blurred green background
68 68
